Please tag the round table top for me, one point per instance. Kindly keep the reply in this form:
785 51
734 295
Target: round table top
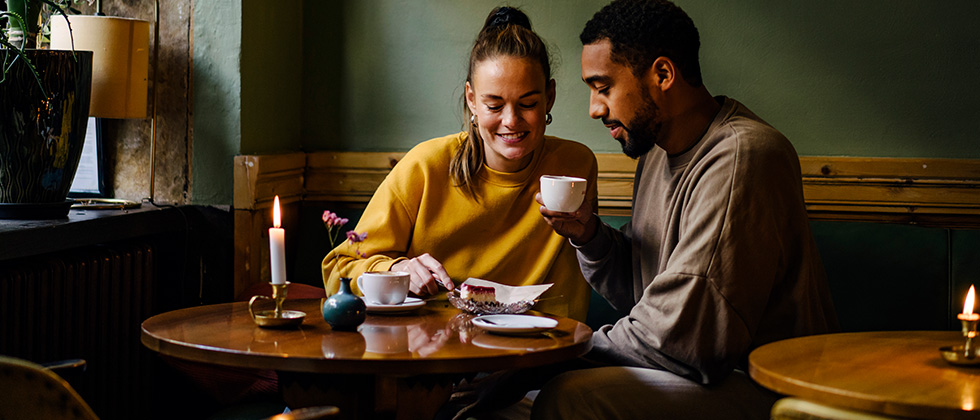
899 373
436 338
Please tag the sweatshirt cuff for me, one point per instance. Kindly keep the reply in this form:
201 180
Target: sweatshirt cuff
598 247
388 264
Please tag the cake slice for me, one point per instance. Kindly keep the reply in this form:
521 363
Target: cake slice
477 294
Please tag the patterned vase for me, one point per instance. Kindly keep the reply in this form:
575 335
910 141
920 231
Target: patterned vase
42 129
344 311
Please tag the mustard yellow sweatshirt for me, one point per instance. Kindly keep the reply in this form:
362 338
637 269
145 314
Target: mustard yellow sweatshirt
500 237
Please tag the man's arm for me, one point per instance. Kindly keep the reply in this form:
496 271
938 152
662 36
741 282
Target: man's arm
607 263
604 253
729 240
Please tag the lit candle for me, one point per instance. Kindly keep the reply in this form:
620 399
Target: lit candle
968 314
277 247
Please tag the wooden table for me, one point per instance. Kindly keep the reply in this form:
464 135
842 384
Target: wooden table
398 366
899 373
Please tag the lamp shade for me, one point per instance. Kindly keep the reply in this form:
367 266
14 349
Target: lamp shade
121 59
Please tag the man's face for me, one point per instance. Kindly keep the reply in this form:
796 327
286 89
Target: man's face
620 100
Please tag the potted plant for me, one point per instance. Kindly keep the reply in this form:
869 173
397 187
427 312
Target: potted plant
44 104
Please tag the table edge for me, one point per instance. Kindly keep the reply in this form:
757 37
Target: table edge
199 353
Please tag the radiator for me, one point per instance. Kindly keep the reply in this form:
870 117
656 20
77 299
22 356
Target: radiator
84 304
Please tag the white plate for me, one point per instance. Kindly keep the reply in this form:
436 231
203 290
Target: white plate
514 324
409 304
501 341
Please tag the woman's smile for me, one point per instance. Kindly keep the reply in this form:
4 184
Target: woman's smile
512 138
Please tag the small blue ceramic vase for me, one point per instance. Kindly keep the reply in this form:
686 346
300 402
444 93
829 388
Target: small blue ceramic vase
344 311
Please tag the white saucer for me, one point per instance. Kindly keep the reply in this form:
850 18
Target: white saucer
409 304
514 324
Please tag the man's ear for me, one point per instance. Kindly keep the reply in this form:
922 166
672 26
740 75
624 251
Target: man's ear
662 74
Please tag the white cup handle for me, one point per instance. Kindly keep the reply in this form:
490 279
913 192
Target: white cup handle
360 285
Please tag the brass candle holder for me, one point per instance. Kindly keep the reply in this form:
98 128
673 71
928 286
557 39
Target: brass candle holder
967 354
275 318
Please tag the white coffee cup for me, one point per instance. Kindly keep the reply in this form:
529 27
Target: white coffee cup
562 193
384 287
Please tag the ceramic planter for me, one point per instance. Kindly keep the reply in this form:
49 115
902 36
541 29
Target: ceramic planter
42 131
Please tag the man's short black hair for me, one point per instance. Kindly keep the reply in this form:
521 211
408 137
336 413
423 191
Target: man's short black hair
642 30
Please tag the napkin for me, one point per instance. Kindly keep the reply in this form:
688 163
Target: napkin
511 294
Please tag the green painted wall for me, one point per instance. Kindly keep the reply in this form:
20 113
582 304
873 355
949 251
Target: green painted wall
272 76
841 78
403 65
248 87
217 99
892 79
867 78
323 76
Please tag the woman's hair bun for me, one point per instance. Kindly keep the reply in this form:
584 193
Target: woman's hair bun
503 16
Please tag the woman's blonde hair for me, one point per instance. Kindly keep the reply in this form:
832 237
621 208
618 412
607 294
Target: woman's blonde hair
506 32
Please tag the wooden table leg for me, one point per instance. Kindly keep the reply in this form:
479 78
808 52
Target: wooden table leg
352 394
420 397
368 396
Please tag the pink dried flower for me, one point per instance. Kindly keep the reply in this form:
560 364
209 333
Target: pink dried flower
356 238
332 222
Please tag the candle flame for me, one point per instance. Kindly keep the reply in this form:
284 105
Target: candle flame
276 218
968 304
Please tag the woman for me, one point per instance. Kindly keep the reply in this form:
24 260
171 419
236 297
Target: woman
463 205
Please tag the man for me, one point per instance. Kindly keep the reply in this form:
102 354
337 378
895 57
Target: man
718 258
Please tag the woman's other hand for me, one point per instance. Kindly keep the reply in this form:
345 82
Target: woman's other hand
579 226
427 274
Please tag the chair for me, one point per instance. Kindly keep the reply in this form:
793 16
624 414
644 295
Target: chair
790 408
31 391
310 413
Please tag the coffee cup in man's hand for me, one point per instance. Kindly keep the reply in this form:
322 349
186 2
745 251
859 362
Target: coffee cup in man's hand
562 193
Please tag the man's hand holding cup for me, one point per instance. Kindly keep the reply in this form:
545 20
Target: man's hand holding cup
565 208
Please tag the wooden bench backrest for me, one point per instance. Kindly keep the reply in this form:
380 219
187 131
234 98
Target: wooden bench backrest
929 192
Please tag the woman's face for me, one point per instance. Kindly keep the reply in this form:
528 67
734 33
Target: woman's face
510 98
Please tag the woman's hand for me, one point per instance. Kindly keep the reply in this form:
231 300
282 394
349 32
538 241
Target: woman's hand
580 226
427 274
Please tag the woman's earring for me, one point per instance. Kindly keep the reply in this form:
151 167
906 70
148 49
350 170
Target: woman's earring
547 120
473 121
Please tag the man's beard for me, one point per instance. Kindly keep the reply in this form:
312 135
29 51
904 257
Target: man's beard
643 131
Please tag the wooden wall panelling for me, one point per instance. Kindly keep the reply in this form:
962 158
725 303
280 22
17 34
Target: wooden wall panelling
350 177
834 187
257 180
615 184
934 192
